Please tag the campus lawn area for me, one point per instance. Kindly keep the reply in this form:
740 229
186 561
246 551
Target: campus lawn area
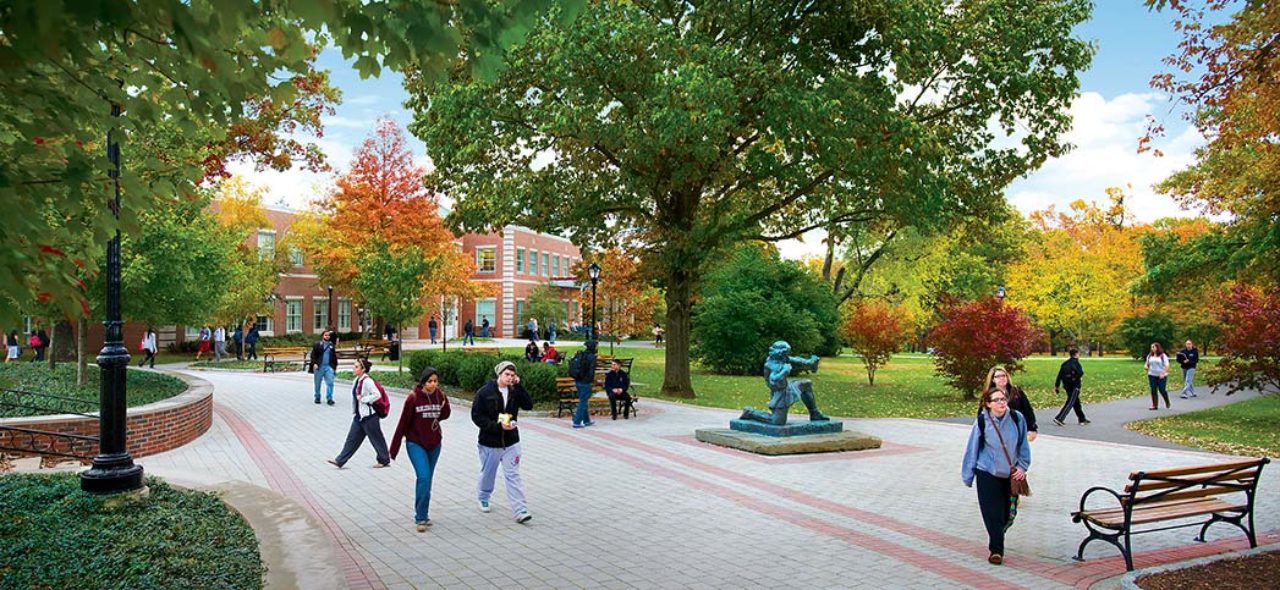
229 364
144 387
52 535
1249 428
906 388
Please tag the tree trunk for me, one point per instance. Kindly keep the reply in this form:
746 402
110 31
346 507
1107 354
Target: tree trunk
1053 347
676 380
82 360
64 342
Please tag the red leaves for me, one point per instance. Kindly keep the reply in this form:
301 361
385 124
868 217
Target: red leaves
39 140
44 297
875 332
977 336
47 249
84 307
1250 341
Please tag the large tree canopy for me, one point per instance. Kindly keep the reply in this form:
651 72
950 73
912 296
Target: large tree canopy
695 125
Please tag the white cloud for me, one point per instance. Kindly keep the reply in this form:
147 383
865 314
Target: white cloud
340 122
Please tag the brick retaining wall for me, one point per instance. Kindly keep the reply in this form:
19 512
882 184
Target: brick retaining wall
153 428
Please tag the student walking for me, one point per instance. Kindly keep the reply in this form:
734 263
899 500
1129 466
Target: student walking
1158 374
13 349
1188 358
998 377
34 342
432 327
997 452
494 411
219 343
206 342
1069 376
148 347
251 342
43 345
468 333
237 338
420 425
324 365
365 421
582 367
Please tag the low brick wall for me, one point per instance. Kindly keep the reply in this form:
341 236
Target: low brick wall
153 428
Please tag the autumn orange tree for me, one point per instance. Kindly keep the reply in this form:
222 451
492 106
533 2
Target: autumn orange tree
624 297
874 331
381 198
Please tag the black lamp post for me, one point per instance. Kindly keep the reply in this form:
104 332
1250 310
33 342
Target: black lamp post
594 272
329 314
113 468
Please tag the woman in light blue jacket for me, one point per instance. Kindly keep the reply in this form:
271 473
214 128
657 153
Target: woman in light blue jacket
997 453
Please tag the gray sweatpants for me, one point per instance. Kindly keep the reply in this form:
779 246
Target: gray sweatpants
509 457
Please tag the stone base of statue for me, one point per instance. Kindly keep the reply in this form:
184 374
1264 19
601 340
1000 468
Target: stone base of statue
822 436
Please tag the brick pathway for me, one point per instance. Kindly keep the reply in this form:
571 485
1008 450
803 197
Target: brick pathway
641 504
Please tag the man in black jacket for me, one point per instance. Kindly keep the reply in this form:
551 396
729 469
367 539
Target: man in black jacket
324 363
1188 357
494 411
1069 375
617 386
583 381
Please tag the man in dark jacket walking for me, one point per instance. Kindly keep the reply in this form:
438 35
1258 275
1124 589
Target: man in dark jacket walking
585 363
1188 358
1069 375
324 364
494 411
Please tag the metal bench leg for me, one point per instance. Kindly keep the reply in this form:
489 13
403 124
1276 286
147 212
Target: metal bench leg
1112 538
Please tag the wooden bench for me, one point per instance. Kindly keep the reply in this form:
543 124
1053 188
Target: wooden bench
374 347
567 398
1174 494
602 367
276 358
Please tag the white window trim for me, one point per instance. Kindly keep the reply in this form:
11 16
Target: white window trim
320 303
271 325
479 267
341 326
301 316
520 261
258 242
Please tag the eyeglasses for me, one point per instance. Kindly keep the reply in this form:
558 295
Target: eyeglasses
996 400
998 375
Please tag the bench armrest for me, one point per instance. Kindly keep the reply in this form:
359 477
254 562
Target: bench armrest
1078 515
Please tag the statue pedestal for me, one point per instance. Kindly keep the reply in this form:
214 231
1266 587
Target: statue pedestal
834 439
788 429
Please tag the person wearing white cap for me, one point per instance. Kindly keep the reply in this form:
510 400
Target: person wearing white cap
494 411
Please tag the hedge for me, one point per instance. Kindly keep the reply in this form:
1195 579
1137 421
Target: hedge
471 370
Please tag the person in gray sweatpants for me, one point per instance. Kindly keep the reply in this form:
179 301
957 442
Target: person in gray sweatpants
494 411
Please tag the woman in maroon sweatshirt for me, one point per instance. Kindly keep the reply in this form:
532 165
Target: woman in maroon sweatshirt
420 424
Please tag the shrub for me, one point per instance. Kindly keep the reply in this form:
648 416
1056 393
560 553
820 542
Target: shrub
874 332
475 370
421 359
1250 341
1136 333
755 299
447 364
977 336
540 380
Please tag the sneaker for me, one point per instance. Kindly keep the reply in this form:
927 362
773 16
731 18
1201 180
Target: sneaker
334 463
579 425
484 505
995 559
1192 395
330 402
422 527
1084 422
1058 422
1184 396
317 401
589 424
523 517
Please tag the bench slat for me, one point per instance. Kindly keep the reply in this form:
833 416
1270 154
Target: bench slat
1176 471
1244 478
1114 518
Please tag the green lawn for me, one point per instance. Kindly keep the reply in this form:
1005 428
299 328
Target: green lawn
906 388
143 387
1249 428
229 364
52 535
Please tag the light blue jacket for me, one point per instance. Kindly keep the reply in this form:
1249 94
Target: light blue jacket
990 458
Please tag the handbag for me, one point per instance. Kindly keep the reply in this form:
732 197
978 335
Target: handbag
1017 487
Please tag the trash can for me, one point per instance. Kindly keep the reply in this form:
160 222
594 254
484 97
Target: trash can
393 352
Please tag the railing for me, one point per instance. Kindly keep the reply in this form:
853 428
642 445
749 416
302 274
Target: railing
29 441
16 403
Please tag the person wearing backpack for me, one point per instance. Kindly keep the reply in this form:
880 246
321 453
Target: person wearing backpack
44 343
582 367
251 343
495 410
420 425
1069 375
997 453
369 405
998 377
14 349
148 347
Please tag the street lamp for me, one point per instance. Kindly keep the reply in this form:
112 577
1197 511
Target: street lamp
594 272
329 314
1000 293
113 468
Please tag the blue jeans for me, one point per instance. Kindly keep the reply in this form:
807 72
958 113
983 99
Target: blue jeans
433 335
1188 385
324 373
424 464
581 414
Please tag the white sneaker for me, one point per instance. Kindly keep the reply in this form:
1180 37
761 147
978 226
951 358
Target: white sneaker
523 517
484 505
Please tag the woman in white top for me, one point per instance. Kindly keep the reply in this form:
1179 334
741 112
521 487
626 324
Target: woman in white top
149 348
365 422
1158 374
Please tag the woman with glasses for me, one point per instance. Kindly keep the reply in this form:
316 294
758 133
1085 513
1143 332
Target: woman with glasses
998 377
997 452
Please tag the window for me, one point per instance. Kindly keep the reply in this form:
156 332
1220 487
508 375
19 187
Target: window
190 333
293 316
533 262
487 259
265 323
295 256
266 244
485 310
344 315
546 264
573 312
520 319
519 259
555 265
320 313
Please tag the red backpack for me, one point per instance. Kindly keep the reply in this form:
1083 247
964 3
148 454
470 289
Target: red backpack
382 405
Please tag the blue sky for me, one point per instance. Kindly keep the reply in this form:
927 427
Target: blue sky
1109 117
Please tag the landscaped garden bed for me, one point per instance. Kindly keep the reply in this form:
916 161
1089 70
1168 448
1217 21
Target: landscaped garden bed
1245 573
144 387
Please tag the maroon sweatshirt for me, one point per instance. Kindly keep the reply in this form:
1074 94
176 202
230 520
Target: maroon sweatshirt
420 420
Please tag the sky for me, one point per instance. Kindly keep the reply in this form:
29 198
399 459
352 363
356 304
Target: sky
1109 117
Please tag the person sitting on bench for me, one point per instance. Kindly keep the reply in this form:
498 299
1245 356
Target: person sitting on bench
531 352
617 385
549 354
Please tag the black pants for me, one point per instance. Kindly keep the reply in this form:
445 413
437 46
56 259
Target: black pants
624 400
1158 383
370 426
253 351
993 501
239 351
1073 403
39 354
151 356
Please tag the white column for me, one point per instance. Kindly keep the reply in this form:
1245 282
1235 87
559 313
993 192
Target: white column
507 302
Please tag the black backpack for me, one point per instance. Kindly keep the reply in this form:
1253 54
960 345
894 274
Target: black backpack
578 367
982 427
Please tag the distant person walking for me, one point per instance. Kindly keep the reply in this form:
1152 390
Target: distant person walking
432 327
13 349
420 425
484 326
1070 374
998 377
44 343
996 453
1158 374
251 343
657 334
237 338
1188 358
533 329
468 333
219 343
324 364
583 370
148 347
495 411
206 342
365 422
551 332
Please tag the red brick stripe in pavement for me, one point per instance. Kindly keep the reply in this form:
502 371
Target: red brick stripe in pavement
357 571
942 567
1078 574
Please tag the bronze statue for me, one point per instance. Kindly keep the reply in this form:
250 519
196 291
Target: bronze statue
785 392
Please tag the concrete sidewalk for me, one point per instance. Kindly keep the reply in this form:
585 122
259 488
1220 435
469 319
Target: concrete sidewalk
641 504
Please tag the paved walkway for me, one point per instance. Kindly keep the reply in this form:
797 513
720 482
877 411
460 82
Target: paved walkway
641 504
